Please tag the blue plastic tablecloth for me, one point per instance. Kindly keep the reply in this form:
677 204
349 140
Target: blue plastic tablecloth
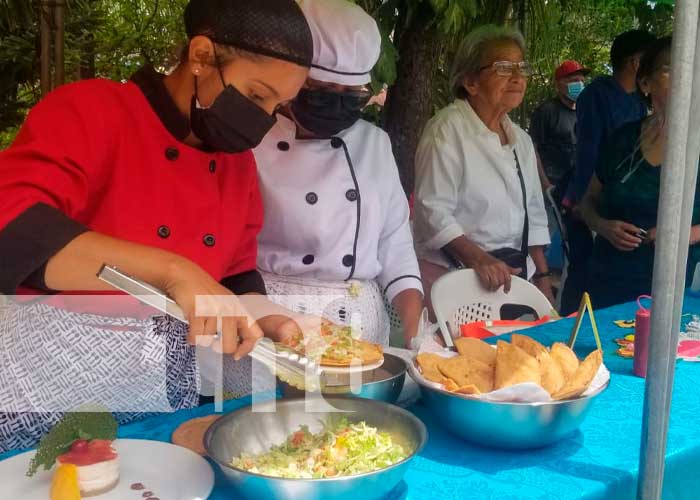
598 461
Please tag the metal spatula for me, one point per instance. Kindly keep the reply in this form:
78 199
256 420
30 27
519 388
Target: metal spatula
286 365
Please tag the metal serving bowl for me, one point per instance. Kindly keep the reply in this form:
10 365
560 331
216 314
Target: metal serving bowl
251 431
383 384
507 425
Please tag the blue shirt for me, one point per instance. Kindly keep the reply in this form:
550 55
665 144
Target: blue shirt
603 107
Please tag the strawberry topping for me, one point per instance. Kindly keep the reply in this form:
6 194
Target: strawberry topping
89 452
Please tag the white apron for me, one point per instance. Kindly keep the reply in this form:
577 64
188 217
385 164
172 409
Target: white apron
53 360
360 303
133 367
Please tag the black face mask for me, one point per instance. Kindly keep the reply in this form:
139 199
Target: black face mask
232 124
325 113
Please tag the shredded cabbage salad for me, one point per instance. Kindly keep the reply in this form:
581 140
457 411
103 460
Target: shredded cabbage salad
340 449
335 342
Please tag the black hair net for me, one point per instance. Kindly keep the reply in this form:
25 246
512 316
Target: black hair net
275 28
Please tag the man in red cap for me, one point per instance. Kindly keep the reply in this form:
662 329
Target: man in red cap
553 128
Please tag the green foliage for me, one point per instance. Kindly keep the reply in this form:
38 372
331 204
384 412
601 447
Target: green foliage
17 57
583 30
385 70
135 32
452 16
112 38
106 38
88 423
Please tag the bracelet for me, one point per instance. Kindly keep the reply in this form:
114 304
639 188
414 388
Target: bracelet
539 276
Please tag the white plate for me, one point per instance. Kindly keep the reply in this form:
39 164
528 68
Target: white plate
352 369
170 472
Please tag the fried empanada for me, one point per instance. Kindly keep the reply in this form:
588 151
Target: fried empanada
583 377
566 358
468 371
514 366
551 374
428 364
476 349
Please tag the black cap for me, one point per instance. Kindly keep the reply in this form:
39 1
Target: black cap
628 44
274 28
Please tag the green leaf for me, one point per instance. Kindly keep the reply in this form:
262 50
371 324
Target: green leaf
90 422
385 69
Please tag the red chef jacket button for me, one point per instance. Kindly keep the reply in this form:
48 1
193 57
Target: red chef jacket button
209 240
172 153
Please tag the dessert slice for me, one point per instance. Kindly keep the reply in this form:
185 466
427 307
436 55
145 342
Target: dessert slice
80 447
97 465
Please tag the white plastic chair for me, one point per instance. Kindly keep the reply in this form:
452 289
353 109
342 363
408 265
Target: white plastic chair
458 298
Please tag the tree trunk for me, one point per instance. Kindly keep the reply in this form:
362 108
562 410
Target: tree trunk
410 100
522 24
87 59
86 68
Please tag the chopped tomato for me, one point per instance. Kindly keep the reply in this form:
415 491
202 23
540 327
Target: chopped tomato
298 438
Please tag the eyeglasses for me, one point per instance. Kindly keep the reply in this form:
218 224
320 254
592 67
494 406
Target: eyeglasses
507 68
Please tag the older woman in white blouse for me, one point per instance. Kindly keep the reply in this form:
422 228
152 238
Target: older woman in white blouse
478 201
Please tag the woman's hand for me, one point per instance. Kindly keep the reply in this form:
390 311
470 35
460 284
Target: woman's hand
651 236
240 332
621 235
494 273
694 235
285 328
409 305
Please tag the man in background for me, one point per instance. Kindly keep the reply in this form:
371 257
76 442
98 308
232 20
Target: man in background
605 105
553 128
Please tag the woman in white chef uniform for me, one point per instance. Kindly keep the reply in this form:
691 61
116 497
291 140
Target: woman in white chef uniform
336 217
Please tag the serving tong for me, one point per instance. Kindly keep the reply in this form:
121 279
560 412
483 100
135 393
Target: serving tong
290 367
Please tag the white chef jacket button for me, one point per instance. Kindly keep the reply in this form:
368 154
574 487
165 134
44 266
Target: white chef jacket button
351 195
348 260
283 146
308 260
311 198
336 142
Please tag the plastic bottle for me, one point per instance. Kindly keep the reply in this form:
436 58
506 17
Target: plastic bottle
641 338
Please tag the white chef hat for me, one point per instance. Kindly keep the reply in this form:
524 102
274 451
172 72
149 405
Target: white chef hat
347 42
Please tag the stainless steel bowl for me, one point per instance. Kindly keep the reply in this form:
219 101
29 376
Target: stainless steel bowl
383 384
507 425
255 432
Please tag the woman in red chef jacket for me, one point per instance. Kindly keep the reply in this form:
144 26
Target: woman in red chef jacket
142 175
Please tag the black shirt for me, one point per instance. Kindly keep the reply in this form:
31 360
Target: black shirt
553 130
